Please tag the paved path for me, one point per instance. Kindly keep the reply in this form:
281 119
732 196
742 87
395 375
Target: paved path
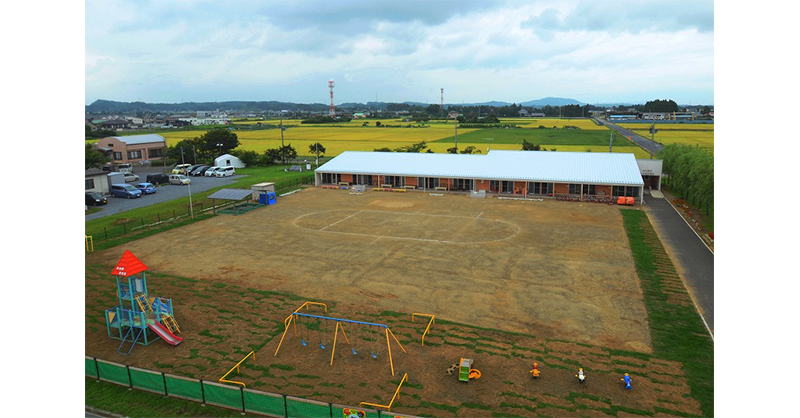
638 139
695 259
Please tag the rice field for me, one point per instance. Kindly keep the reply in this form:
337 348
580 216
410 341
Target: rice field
352 136
701 135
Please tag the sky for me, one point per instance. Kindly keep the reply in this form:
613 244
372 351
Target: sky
173 51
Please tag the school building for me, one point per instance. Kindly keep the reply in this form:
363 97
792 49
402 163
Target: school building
514 173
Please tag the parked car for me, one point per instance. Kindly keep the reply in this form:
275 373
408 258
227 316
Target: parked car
159 178
125 190
179 179
224 172
210 171
180 168
131 177
146 188
191 168
95 199
125 168
199 170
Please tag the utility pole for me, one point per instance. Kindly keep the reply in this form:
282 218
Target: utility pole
194 150
610 141
283 151
653 131
182 162
456 135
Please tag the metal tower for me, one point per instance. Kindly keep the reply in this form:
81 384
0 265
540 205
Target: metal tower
441 106
332 112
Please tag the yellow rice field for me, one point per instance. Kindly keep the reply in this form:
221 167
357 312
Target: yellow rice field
701 135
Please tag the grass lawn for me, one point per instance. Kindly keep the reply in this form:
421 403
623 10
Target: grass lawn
676 329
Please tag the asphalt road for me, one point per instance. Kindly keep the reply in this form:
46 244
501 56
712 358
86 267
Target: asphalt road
165 192
696 260
638 139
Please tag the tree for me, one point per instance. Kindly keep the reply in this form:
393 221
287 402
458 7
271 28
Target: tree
470 150
248 157
217 140
94 157
529 146
418 147
384 149
316 149
174 152
287 152
377 123
452 150
271 155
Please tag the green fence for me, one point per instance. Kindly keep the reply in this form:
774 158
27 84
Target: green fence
226 396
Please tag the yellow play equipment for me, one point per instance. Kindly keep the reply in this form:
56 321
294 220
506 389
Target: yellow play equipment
535 371
465 372
429 324
236 367
89 243
396 393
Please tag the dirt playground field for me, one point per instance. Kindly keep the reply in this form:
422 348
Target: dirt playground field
552 269
510 283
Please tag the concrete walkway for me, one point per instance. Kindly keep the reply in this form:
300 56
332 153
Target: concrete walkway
695 260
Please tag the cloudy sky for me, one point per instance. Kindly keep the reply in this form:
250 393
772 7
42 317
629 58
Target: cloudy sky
172 51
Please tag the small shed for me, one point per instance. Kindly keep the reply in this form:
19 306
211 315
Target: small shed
233 196
262 188
227 160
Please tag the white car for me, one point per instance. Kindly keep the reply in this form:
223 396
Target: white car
224 172
131 177
210 171
179 179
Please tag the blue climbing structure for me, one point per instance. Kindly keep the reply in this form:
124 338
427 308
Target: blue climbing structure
139 318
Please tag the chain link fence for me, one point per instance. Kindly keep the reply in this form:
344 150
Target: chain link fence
225 396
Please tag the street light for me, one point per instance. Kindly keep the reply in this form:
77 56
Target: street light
220 148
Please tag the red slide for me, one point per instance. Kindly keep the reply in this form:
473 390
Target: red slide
164 333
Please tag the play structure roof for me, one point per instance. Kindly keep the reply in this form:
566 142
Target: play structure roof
128 265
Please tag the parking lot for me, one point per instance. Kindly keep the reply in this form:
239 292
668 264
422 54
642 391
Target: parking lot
165 192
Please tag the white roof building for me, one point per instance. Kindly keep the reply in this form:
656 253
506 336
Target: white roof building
532 166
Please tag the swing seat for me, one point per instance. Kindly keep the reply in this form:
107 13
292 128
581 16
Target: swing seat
355 353
375 356
304 343
322 346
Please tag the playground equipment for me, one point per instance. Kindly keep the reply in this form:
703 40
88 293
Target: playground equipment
394 397
89 243
581 375
535 371
426 329
627 380
139 318
465 372
305 337
222 379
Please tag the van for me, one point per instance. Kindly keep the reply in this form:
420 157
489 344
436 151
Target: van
179 179
125 168
180 168
224 172
158 178
125 190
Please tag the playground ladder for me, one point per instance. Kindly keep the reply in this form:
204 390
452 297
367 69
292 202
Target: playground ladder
170 323
133 341
144 304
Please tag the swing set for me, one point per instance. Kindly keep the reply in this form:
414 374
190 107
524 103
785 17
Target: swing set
309 323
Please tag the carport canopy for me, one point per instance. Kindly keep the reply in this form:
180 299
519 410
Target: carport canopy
231 194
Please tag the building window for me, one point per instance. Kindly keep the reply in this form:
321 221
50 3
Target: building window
330 178
632 191
494 186
431 182
110 145
589 189
508 187
89 184
462 184
135 155
540 188
117 156
618 191
155 153
574 189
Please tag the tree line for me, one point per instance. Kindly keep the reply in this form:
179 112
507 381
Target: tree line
689 171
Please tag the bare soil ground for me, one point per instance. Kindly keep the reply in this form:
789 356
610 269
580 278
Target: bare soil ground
510 283
548 268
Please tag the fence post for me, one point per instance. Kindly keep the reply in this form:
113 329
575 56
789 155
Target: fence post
166 392
203 392
173 213
285 407
330 407
130 381
105 232
125 227
142 221
96 368
241 390
158 217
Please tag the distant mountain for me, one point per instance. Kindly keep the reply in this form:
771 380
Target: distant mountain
494 103
551 101
110 106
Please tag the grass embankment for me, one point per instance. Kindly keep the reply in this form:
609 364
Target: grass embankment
676 328
117 229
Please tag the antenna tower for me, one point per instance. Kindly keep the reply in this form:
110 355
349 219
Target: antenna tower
441 106
332 112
